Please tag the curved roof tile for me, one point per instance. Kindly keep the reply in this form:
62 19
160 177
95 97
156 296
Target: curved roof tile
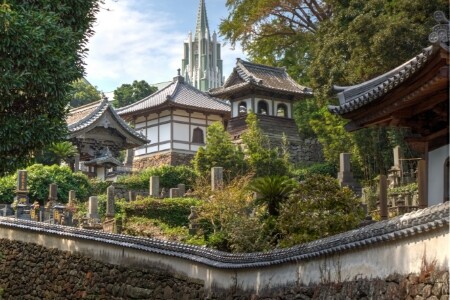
355 96
269 78
177 93
81 117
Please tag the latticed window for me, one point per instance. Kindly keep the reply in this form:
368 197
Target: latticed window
197 136
263 108
282 110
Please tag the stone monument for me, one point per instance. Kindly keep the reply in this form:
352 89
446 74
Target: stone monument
216 178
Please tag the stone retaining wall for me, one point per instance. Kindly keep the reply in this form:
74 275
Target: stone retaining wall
29 271
159 159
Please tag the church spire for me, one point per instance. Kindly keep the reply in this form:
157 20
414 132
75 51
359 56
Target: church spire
201 64
202 21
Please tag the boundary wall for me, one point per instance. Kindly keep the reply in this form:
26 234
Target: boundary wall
402 245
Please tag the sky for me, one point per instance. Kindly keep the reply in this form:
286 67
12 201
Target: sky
143 40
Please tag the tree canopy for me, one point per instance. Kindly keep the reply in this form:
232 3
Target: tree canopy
42 46
328 42
83 93
127 94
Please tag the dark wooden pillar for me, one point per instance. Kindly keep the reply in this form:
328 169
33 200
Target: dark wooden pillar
382 196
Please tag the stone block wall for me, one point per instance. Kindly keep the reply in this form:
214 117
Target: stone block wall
159 159
29 271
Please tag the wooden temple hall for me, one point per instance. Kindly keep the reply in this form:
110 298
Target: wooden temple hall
414 95
99 135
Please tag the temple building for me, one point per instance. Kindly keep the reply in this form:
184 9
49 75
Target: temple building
202 65
174 119
271 93
414 95
99 135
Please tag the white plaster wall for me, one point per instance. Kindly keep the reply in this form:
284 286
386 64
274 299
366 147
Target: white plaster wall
152 134
402 256
181 146
165 132
181 132
436 159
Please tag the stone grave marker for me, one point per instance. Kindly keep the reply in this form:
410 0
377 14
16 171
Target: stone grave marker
93 208
182 189
110 212
131 196
174 193
22 187
71 198
216 178
154 186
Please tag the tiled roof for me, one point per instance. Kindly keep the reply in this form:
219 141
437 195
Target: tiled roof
106 158
82 117
247 74
407 225
355 96
178 93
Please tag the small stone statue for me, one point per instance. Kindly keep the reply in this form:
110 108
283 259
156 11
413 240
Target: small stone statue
163 193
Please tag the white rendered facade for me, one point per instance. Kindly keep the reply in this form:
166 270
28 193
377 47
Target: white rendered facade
174 130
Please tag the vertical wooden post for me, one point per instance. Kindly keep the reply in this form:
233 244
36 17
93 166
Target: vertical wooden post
383 198
422 183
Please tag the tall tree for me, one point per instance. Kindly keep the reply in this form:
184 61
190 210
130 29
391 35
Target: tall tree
219 152
127 94
334 42
83 93
262 158
42 45
275 32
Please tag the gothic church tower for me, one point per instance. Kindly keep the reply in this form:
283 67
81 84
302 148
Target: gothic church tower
202 65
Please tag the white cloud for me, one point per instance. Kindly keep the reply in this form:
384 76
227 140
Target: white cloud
136 41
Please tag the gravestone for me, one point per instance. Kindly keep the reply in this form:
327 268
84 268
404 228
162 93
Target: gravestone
76 166
345 174
22 187
154 186
110 202
131 196
71 198
397 156
52 195
93 208
216 178
182 189
174 193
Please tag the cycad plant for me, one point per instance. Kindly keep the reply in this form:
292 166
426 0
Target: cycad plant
63 151
272 191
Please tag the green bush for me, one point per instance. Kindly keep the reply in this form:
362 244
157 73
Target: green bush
173 212
318 208
7 188
99 187
169 177
326 169
39 179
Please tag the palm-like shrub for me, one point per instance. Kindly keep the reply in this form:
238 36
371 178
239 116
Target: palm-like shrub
272 191
63 151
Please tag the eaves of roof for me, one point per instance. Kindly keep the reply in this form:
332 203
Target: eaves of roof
356 96
96 114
